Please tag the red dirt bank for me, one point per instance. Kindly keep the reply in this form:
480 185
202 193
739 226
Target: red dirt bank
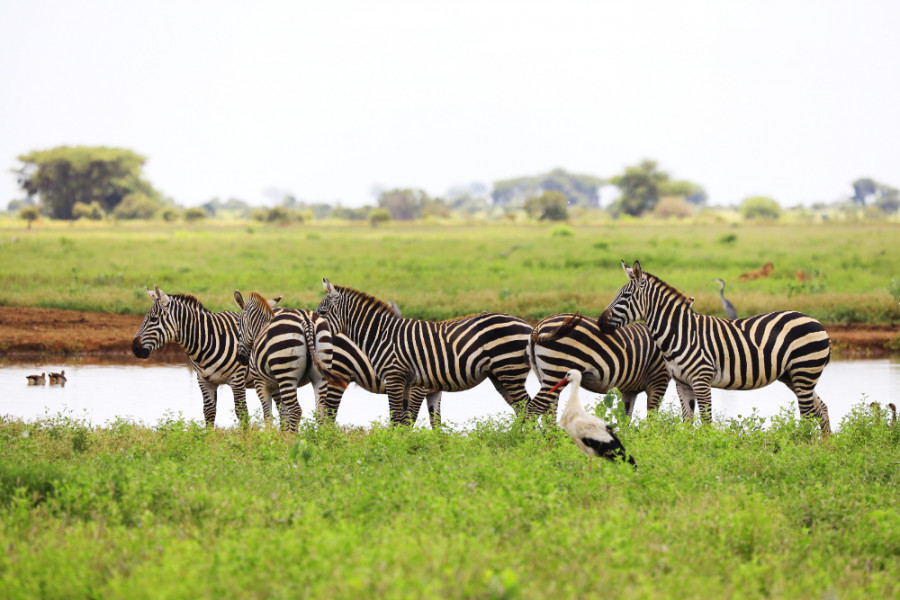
35 331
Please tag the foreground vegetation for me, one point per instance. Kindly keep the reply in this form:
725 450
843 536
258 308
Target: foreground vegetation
497 511
837 273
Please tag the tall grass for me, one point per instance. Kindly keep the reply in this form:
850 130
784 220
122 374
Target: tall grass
444 271
497 511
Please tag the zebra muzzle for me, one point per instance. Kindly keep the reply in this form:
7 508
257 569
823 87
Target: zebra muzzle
139 349
604 324
243 357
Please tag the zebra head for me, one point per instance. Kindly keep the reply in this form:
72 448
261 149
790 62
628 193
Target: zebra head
158 327
330 307
256 313
630 304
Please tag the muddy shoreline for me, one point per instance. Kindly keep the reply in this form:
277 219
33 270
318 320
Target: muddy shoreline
33 333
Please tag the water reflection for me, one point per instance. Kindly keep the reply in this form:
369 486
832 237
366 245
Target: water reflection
147 391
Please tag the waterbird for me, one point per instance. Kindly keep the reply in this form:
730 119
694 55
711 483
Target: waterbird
58 378
592 435
728 306
36 379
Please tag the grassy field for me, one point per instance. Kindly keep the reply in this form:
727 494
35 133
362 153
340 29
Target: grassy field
498 511
434 271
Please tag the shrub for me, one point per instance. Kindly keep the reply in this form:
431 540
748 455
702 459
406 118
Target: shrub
760 207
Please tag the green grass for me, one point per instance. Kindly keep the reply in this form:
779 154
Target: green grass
499 511
435 272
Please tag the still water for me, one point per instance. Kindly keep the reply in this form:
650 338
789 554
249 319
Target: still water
148 392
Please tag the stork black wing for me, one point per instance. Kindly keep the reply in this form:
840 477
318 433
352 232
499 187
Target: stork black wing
611 449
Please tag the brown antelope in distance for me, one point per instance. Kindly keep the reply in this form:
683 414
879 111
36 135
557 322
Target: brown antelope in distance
759 273
36 379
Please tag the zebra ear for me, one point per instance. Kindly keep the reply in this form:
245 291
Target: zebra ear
329 289
161 296
152 295
274 301
636 271
627 270
239 299
691 302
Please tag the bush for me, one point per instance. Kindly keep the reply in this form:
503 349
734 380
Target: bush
92 211
760 207
379 216
136 206
194 214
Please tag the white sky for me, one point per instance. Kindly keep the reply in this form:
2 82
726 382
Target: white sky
793 99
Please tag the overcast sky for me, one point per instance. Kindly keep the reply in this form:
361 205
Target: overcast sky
792 99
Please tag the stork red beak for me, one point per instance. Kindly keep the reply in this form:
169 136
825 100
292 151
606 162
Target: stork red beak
558 385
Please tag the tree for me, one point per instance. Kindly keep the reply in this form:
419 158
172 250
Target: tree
863 190
549 206
30 214
760 207
405 204
65 175
640 186
691 192
579 190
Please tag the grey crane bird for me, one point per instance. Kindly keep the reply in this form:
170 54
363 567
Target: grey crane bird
728 306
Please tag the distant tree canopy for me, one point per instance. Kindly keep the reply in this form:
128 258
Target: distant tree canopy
867 191
549 206
65 176
579 190
642 186
409 204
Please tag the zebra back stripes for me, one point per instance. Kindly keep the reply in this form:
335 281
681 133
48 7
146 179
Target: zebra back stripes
450 355
626 359
209 339
285 350
704 351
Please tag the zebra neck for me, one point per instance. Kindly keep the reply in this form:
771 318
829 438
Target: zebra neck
195 331
369 334
672 324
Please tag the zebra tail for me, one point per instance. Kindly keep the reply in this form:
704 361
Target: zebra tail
564 328
329 375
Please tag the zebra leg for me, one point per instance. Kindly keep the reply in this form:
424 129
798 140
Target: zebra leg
703 394
512 388
655 395
812 406
628 398
416 395
686 396
265 398
209 391
433 401
288 392
821 412
395 386
331 401
544 403
240 402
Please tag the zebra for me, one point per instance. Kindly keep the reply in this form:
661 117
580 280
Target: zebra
704 351
209 339
627 359
280 347
452 355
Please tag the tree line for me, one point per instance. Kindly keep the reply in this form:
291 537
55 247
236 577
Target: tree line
85 182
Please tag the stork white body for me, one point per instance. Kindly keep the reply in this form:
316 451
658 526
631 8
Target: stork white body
592 435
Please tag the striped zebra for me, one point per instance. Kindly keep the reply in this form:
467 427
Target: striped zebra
450 355
209 339
626 359
703 351
285 350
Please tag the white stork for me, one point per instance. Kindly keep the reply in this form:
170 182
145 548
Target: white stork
592 435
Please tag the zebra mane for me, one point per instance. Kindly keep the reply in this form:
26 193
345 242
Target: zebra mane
262 303
668 288
381 304
189 300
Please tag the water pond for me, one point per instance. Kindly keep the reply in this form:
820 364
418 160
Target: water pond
147 392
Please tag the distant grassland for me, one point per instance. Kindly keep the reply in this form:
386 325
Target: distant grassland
177 511
436 272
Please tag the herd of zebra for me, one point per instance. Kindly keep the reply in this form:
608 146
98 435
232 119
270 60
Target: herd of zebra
353 337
